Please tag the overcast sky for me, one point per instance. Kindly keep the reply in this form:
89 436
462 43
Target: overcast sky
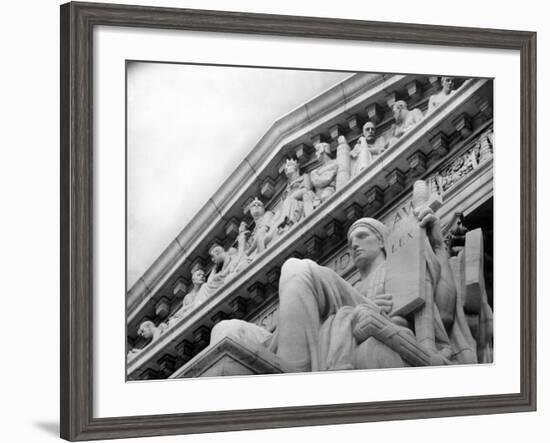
188 128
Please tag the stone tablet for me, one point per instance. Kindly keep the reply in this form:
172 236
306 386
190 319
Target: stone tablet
406 260
406 266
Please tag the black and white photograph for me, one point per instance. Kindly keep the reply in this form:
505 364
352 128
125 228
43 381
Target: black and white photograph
283 220
237 221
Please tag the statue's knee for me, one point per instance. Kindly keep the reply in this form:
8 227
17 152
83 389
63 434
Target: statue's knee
225 328
293 267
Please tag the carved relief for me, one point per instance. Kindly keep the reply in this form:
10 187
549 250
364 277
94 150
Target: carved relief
479 153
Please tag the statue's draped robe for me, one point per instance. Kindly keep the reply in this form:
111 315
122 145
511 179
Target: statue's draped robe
188 302
363 154
316 311
231 266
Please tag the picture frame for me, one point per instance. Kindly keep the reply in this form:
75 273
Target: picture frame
77 256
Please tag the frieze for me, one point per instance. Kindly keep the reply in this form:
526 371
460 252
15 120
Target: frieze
479 153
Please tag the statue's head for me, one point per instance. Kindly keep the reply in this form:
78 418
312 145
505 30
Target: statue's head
400 110
291 167
256 208
447 84
321 148
366 240
147 329
197 276
369 132
218 254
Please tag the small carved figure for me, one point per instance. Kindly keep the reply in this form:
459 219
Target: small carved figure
189 300
148 331
323 178
447 84
404 120
264 230
292 206
367 148
227 264
218 273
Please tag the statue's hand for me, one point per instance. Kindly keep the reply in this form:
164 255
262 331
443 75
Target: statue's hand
360 321
384 302
432 224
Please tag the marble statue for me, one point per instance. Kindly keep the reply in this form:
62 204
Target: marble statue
367 149
264 230
148 331
404 118
292 208
325 323
323 178
226 265
446 92
190 299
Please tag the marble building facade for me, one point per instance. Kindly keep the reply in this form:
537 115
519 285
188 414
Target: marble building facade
358 150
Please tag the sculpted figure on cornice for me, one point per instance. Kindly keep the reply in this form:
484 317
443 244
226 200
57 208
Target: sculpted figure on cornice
323 178
227 264
293 208
405 119
447 84
324 323
148 331
368 147
190 299
264 228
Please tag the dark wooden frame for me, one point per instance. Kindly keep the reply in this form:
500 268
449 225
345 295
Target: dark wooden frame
77 23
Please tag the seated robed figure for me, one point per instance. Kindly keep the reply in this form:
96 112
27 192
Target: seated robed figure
325 323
